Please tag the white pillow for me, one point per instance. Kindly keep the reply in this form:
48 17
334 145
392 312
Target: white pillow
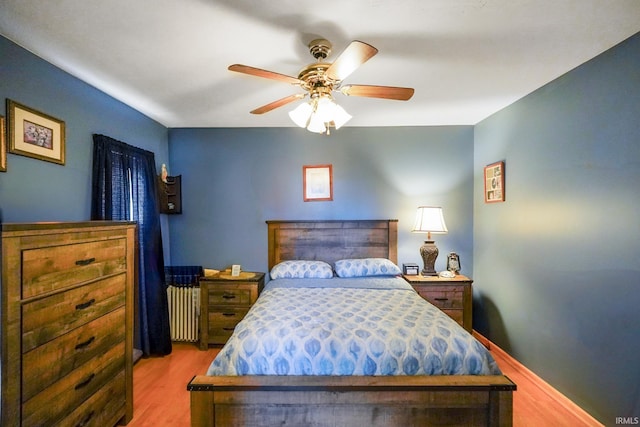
365 267
302 270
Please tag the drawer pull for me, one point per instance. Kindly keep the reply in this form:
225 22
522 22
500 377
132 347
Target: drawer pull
228 314
85 261
441 299
85 304
85 420
85 382
228 329
86 343
228 296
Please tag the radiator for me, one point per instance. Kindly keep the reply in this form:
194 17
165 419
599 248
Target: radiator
184 312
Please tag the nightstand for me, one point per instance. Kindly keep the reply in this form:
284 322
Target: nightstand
224 301
453 296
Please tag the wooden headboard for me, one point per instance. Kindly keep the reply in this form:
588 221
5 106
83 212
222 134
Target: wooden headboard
332 240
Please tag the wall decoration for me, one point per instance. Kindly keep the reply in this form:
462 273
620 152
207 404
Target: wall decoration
35 134
317 183
3 147
494 183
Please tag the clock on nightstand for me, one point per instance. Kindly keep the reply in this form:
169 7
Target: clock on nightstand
451 295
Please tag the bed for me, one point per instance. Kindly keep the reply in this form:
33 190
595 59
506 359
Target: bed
352 378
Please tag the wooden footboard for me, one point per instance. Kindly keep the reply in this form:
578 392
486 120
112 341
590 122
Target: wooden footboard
403 401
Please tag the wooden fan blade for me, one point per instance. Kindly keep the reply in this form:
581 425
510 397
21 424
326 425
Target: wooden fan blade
279 103
386 92
252 71
356 54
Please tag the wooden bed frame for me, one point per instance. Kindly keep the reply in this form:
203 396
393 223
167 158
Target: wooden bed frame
346 401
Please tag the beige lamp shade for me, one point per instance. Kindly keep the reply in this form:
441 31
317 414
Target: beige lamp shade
429 219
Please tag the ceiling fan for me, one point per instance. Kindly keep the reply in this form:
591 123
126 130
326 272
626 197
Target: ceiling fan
320 79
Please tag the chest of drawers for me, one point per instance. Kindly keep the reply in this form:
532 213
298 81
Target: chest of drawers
224 301
67 323
453 296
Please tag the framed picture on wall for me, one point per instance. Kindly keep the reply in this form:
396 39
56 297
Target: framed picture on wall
35 134
317 183
494 183
3 147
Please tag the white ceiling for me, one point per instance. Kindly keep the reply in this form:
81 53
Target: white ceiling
168 58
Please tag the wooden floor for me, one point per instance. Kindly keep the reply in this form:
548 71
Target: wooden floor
535 403
161 397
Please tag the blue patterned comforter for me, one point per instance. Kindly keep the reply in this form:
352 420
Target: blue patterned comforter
363 326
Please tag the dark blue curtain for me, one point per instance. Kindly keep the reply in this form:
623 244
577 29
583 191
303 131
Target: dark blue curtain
124 188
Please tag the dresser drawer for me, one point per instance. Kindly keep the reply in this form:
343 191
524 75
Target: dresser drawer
55 267
51 362
59 399
47 318
443 298
99 409
230 296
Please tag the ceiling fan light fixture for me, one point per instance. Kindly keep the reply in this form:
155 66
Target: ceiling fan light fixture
316 124
319 114
319 80
301 114
325 108
340 117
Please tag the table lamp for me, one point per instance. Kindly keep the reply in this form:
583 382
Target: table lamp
429 220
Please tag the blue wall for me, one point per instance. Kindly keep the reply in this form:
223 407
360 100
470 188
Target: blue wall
236 179
35 190
557 277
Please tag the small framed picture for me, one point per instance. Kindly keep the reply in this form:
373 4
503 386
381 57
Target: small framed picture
35 134
3 147
317 183
494 183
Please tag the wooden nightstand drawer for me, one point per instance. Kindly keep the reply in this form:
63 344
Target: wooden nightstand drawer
240 294
226 318
443 298
453 296
225 300
222 324
457 315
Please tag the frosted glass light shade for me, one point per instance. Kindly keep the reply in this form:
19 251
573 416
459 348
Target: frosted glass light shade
300 115
340 117
318 114
316 124
325 109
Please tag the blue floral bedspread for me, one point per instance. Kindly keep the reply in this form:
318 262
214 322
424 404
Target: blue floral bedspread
363 326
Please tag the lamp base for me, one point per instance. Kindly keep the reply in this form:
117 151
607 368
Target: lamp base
429 253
